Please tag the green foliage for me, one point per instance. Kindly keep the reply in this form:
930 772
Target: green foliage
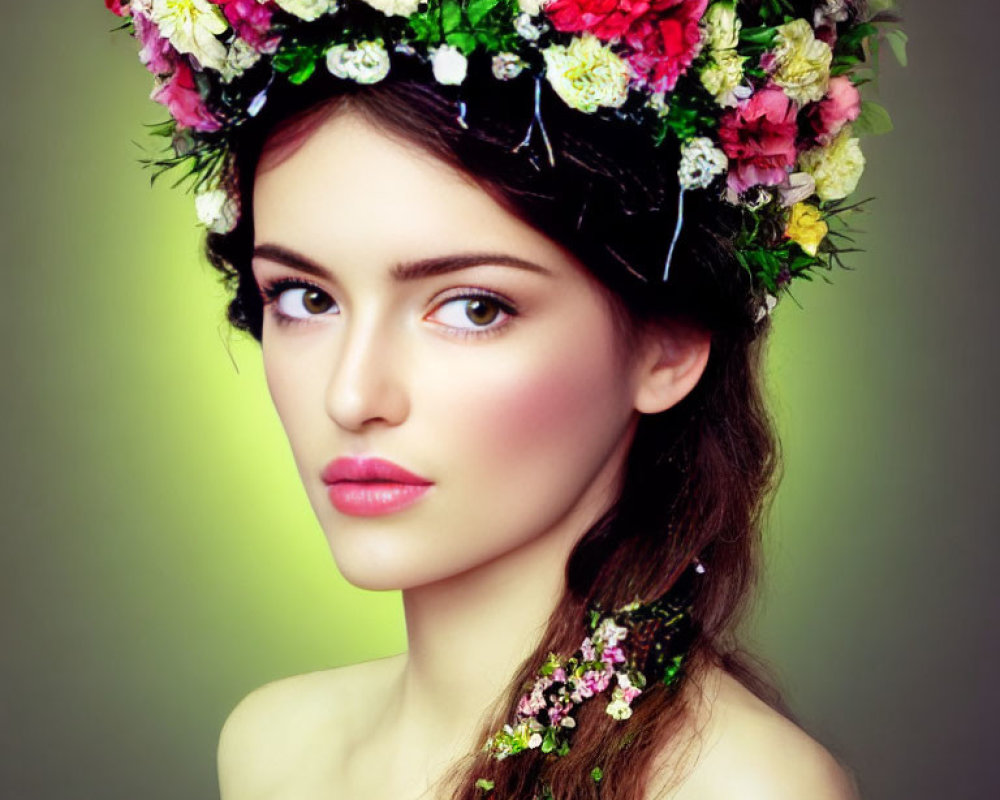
596 774
298 61
467 24
874 120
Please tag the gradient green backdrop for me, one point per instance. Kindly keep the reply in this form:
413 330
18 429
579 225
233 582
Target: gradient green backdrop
159 558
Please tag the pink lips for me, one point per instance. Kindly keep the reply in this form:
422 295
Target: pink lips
368 487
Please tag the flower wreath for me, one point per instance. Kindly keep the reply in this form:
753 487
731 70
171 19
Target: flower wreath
761 96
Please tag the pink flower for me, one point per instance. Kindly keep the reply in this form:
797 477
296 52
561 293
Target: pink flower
759 138
605 19
117 7
251 20
664 42
612 655
159 56
841 105
178 93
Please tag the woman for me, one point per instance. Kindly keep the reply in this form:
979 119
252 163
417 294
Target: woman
495 402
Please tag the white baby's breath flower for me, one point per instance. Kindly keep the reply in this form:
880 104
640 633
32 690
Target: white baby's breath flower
721 26
586 74
527 28
192 26
399 8
239 59
507 66
449 65
837 168
803 62
307 9
701 163
365 62
216 210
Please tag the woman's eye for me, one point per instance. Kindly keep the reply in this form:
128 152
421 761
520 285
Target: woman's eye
302 302
472 312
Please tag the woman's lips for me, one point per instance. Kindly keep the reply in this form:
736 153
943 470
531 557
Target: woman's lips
368 487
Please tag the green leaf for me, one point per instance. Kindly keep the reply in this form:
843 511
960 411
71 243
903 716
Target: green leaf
874 120
596 774
477 9
897 40
485 784
466 42
451 15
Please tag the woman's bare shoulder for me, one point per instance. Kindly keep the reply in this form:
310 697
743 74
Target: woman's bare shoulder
746 749
273 729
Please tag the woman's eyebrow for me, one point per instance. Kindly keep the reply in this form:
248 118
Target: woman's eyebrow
405 271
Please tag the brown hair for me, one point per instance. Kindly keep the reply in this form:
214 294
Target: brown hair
698 476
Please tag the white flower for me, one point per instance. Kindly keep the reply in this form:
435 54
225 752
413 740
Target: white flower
192 27
721 26
586 74
797 187
532 7
535 741
400 8
658 102
216 210
527 28
307 9
770 301
829 12
568 722
366 62
803 61
449 65
837 168
701 162
239 59
507 66
618 708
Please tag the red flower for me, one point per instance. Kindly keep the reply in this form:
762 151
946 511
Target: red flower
664 42
605 19
759 138
117 7
251 20
178 93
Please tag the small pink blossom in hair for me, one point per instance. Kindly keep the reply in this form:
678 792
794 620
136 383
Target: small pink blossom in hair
842 104
117 7
759 138
178 93
156 53
251 19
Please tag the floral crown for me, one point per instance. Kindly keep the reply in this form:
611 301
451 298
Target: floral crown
760 96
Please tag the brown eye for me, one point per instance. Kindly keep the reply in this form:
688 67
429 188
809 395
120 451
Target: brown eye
316 302
474 313
302 302
481 311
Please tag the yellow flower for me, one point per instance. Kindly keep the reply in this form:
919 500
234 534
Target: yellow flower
192 27
586 74
721 26
806 227
803 62
723 76
837 167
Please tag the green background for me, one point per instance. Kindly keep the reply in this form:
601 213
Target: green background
159 558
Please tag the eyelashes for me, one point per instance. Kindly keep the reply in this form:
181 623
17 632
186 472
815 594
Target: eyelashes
298 302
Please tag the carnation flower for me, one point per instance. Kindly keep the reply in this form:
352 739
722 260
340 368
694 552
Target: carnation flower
723 78
241 56
156 53
721 26
216 210
401 8
192 27
251 19
507 66
307 9
806 227
526 27
117 7
759 138
365 62
532 7
449 65
701 162
587 75
179 95
802 62
837 167
797 187
841 105
664 41
604 19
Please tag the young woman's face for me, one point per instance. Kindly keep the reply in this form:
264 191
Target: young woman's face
413 319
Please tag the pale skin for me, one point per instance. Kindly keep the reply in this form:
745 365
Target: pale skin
520 411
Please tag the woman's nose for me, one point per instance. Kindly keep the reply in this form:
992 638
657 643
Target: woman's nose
367 380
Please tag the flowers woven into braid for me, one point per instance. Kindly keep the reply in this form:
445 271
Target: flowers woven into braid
624 651
757 100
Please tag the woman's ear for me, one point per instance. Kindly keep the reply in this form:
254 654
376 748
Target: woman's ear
672 358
